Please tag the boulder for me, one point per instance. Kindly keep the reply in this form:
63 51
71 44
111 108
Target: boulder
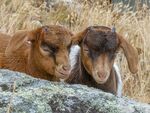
20 93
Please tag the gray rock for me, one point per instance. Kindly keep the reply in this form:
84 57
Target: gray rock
20 93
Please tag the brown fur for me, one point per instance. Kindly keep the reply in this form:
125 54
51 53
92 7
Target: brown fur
94 66
42 53
4 39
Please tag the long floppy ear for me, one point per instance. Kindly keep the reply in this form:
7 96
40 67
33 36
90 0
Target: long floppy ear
130 53
37 33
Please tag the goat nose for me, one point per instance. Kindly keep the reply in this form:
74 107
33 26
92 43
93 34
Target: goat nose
101 75
66 67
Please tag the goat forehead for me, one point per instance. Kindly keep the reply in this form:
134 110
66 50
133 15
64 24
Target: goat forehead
101 40
58 39
59 31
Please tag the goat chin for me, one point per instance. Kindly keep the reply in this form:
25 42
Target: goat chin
119 83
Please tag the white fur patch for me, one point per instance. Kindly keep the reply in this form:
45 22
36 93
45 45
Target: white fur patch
73 53
119 83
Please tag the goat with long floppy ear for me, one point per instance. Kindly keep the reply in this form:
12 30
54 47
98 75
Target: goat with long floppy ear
95 60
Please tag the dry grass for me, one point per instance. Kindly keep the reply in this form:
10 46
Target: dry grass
134 26
11 98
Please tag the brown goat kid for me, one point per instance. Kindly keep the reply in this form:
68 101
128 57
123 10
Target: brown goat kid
95 59
42 53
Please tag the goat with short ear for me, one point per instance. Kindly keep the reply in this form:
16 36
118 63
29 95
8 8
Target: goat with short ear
95 59
42 52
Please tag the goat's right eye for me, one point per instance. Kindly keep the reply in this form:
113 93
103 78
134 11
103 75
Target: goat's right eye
86 49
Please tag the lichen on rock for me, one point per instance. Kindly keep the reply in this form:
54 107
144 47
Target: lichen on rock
20 93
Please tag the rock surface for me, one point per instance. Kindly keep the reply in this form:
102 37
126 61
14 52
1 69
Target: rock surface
20 93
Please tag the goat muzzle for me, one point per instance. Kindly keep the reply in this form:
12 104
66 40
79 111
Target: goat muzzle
100 76
63 71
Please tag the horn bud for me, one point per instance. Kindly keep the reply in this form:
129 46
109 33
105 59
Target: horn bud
113 29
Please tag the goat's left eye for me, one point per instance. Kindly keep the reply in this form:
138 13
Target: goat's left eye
49 48
45 48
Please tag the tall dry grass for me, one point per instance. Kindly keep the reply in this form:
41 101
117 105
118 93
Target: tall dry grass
134 26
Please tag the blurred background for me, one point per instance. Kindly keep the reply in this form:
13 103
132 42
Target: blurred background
131 18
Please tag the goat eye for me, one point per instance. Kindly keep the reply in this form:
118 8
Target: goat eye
85 49
45 48
48 48
52 50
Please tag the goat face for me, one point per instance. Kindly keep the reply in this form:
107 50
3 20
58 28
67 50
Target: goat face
50 50
98 49
46 48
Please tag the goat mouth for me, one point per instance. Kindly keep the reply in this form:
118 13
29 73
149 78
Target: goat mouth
100 78
62 74
100 81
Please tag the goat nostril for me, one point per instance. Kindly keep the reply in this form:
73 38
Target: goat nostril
101 75
66 68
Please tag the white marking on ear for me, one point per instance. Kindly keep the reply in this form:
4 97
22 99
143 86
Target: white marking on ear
73 53
119 81
29 42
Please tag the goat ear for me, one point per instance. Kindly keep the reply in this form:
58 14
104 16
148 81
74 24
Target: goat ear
130 53
16 41
20 38
35 34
